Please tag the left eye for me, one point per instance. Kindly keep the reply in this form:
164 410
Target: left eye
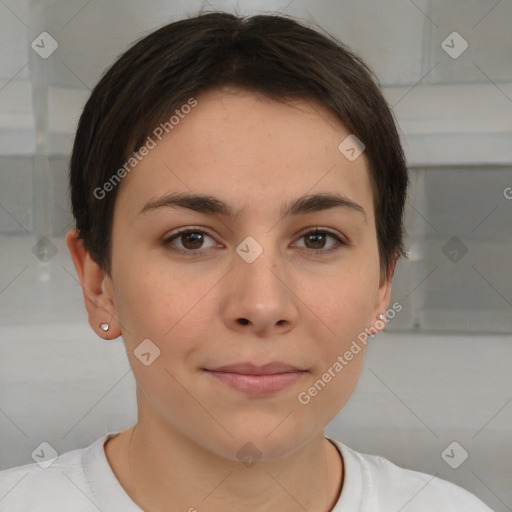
193 239
318 238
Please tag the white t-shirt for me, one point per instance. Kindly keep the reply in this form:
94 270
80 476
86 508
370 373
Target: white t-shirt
82 481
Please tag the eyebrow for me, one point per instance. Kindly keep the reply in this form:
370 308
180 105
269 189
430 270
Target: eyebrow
208 204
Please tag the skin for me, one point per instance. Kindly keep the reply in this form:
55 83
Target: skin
300 308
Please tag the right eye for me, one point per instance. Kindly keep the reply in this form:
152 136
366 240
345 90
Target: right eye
191 240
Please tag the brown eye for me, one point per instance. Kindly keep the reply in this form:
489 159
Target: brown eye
192 241
315 241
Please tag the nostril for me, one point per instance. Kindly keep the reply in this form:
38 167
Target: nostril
243 321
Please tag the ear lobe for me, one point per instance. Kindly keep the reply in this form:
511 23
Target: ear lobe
382 301
98 299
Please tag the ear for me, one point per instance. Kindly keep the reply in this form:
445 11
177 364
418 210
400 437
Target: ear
383 298
96 289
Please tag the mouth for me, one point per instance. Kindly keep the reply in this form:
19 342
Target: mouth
257 380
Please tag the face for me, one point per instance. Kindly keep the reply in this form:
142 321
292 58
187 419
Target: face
251 285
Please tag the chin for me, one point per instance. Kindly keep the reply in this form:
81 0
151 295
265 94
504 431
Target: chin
258 441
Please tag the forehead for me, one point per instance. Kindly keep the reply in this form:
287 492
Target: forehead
250 150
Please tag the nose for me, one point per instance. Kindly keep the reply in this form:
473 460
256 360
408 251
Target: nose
260 297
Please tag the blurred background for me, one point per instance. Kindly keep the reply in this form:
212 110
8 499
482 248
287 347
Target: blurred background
439 374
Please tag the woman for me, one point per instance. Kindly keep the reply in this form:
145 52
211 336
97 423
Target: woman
238 187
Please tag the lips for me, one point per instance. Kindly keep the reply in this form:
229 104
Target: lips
257 380
251 369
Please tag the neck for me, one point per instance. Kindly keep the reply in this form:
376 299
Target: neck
174 469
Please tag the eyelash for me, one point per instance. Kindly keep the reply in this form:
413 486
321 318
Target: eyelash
198 252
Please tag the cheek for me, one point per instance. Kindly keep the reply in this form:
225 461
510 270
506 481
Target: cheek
150 297
343 309
342 304
164 305
154 305
330 389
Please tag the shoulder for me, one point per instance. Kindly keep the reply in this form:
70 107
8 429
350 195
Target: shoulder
389 487
47 486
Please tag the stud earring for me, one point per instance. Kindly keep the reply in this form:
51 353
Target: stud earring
104 327
380 316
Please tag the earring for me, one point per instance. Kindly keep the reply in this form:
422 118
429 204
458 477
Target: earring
380 316
104 327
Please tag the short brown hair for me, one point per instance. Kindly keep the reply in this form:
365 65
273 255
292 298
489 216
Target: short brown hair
271 54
